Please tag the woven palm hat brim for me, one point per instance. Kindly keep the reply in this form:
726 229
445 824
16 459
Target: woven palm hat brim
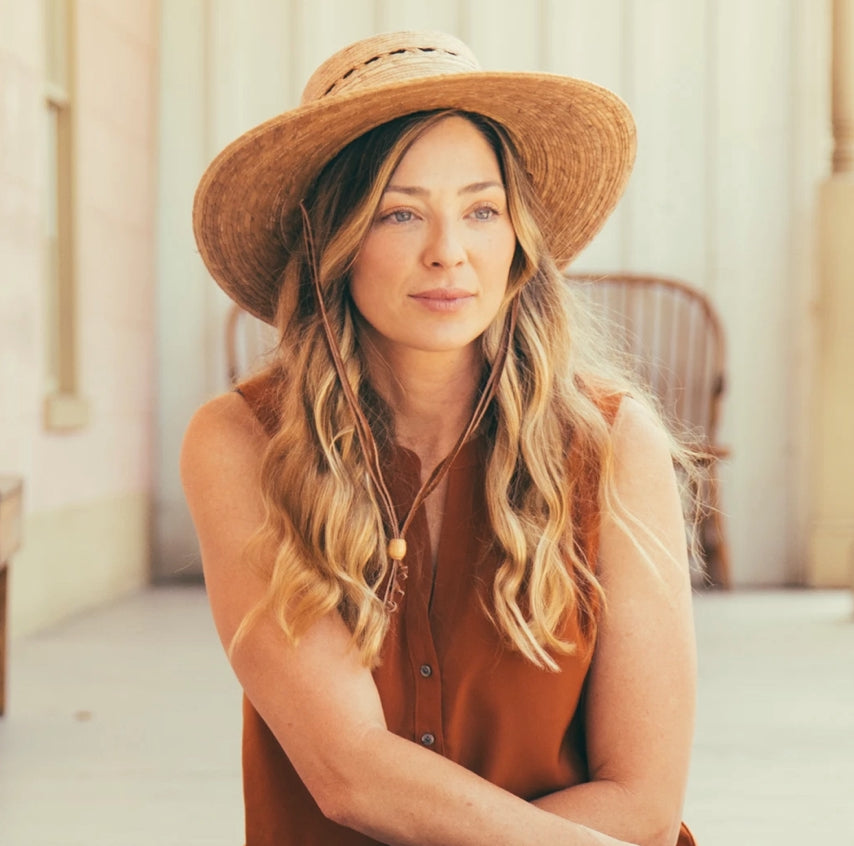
575 139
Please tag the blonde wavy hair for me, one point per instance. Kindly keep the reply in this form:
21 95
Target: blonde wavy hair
324 539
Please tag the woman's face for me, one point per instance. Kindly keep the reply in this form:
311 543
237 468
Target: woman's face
432 272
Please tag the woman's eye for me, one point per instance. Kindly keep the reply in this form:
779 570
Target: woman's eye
485 213
399 216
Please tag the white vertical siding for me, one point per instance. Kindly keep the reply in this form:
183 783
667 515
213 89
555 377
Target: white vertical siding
444 15
249 70
665 87
185 328
752 282
505 34
586 43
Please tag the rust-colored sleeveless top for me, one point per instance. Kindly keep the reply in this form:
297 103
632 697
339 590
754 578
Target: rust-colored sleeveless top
446 680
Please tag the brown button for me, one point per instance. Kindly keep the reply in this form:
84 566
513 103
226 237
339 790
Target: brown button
427 739
426 671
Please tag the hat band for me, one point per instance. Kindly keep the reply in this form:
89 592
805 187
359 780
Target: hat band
396 65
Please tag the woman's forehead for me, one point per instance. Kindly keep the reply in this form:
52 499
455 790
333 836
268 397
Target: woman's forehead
453 150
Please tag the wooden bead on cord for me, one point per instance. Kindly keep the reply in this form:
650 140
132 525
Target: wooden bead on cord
397 549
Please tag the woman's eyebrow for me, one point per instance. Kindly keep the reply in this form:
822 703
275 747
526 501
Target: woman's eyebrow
481 186
416 191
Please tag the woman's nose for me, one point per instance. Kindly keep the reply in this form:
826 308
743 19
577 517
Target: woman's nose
445 246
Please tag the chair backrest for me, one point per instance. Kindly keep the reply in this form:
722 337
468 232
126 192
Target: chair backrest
247 342
674 339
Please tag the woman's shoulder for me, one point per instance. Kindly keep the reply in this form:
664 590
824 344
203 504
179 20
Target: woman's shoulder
637 429
226 415
225 432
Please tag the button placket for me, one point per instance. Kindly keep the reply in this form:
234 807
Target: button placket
426 678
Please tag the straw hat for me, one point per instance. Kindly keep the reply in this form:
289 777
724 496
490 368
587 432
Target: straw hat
576 140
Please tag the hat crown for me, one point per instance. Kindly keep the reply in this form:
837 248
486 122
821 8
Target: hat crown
387 59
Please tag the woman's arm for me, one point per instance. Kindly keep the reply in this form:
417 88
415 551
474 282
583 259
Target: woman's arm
318 699
640 705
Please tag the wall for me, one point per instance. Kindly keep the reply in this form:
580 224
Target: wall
731 101
87 491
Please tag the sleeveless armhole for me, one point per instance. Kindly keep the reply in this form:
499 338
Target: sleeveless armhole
609 405
261 394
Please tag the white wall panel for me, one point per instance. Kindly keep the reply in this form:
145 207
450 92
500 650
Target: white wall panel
586 41
183 319
249 71
444 15
505 34
666 88
752 161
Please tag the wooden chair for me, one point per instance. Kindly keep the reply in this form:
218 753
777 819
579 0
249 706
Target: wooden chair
675 342
247 342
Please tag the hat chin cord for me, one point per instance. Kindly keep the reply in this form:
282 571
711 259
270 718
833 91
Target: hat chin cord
396 549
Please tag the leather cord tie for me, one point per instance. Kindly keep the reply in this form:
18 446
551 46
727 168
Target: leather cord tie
396 549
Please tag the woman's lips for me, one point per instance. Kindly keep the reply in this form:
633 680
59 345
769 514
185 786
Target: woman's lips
443 299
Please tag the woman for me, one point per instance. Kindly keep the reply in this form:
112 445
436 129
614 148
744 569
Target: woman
442 542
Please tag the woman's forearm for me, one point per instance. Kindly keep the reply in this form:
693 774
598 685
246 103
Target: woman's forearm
404 794
610 807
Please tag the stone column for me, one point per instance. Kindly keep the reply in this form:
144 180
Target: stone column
832 536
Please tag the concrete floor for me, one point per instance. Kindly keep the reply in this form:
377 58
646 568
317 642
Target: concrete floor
123 726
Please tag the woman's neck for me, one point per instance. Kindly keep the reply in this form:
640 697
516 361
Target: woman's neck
432 395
